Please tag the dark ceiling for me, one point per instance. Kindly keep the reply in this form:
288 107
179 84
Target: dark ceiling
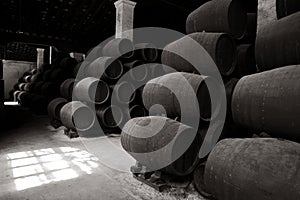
80 24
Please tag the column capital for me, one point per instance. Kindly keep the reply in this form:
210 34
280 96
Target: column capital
126 2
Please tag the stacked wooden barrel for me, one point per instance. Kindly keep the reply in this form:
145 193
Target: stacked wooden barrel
38 87
98 84
267 104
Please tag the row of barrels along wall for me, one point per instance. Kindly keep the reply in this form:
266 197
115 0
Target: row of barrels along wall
37 87
259 103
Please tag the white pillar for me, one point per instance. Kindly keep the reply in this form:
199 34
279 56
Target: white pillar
40 57
266 12
124 18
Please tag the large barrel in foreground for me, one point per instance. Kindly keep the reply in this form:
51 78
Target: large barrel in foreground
277 43
218 48
77 116
218 16
269 102
170 89
260 169
146 140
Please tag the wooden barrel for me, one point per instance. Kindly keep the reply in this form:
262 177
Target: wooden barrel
25 98
156 91
106 68
33 71
139 137
251 29
107 119
122 90
219 46
38 104
245 61
47 75
277 43
262 169
21 86
44 67
36 77
38 87
198 180
156 70
229 88
76 69
146 52
16 95
139 74
269 102
218 16
66 88
118 48
59 75
286 7
27 79
68 63
92 90
77 116
137 111
50 90
54 108
27 87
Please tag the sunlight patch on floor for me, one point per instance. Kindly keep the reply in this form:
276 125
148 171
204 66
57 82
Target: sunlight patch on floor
43 166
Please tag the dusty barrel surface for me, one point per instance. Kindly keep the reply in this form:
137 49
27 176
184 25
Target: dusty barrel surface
163 91
220 47
277 43
262 169
245 61
146 51
269 102
91 90
218 16
55 106
286 7
214 48
106 68
143 137
109 120
77 116
118 48
66 88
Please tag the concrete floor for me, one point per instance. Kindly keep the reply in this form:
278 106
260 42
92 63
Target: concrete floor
39 162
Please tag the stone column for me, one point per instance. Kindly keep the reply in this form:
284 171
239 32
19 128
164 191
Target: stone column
266 12
124 19
40 57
